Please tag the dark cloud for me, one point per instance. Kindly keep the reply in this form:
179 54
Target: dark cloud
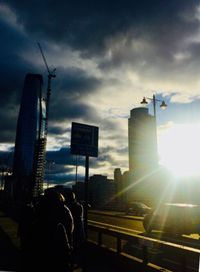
87 25
134 32
72 86
60 179
13 66
61 156
58 160
68 89
75 81
60 166
63 110
90 27
13 70
55 130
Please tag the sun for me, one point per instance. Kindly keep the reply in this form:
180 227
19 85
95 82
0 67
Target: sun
179 149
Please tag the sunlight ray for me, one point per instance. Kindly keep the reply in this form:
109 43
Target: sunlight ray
179 149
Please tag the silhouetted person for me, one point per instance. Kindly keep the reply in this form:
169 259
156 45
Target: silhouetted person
51 242
59 211
79 233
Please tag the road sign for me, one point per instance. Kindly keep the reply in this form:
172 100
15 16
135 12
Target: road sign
84 140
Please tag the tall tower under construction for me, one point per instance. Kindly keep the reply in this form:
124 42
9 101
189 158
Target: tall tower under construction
30 143
142 141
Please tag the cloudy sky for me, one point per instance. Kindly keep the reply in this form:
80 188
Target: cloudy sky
108 55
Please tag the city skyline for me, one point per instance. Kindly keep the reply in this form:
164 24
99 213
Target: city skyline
108 56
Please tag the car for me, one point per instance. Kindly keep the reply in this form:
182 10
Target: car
174 218
137 208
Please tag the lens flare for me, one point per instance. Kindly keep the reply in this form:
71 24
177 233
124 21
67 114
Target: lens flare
179 149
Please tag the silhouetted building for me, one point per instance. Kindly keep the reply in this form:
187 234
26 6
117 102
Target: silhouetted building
117 175
101 191
29 155
142 141
126 184
119 186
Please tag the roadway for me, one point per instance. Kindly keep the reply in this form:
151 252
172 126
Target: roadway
118 219
9 241
133 224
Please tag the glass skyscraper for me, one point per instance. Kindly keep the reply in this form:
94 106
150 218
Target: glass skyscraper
30 139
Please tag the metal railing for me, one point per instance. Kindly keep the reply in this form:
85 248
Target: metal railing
149 252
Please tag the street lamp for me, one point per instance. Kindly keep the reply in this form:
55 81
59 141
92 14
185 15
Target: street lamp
163 105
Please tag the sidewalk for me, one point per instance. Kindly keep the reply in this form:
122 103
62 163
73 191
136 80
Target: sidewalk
9 244
94 258
10 251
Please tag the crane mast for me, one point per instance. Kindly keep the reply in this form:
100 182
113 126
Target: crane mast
51 74
40 150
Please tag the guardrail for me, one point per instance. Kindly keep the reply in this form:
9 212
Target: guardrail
116 214
149 253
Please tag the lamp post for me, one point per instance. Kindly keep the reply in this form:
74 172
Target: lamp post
163 105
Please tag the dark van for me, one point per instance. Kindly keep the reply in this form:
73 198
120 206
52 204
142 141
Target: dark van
137 208
174 218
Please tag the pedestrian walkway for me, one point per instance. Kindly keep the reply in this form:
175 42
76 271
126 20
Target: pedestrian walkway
9 244
94 258
10 251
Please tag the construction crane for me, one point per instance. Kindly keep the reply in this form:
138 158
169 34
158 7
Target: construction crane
40 151
51 74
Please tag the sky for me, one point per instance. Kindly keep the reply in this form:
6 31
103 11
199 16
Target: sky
108 55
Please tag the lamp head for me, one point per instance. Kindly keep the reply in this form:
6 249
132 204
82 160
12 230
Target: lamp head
144 101
163 105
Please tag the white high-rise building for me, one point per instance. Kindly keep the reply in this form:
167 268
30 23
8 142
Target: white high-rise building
142 139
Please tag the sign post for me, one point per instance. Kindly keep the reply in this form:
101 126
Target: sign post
84 141
86 192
